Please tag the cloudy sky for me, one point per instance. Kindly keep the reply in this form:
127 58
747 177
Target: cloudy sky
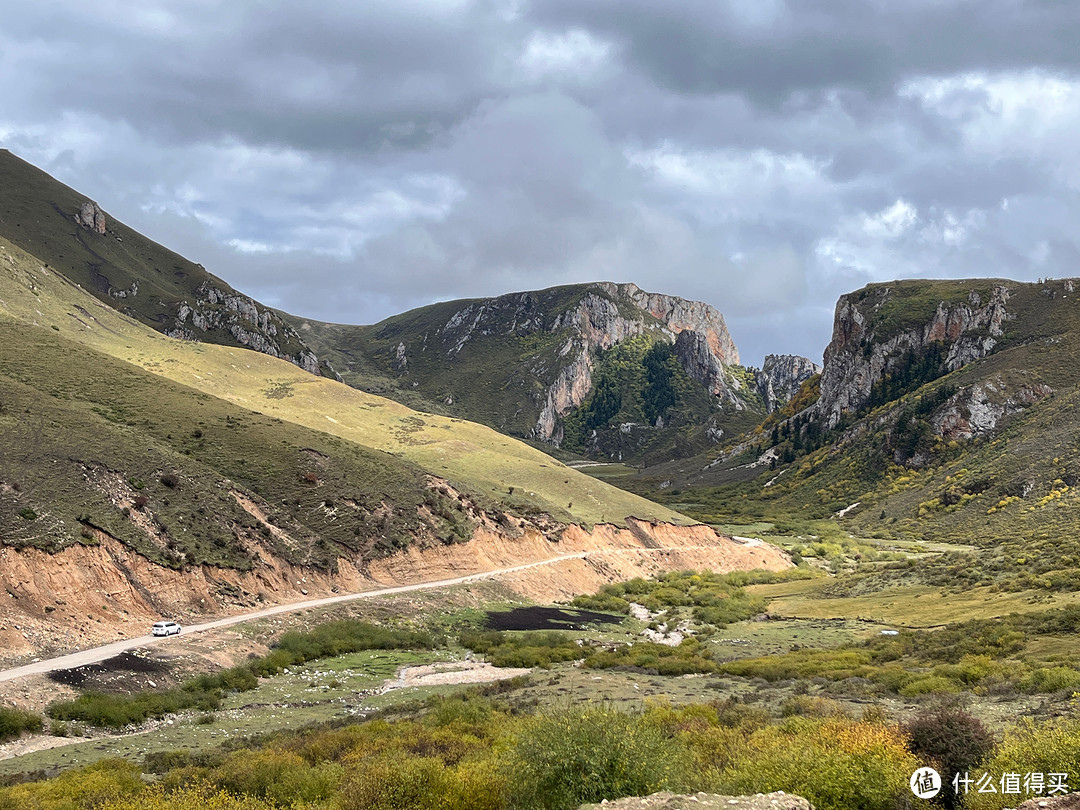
350 160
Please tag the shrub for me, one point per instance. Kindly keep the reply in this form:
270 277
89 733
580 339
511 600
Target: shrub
160 762
952 738
104 784
835 764
420 783
807 706
534 648
1051 679
281 777
1049 747
688 657
195 797
13 722
930 684
346 636
115 711
568 757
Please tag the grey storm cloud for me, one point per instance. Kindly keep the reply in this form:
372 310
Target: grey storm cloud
347 161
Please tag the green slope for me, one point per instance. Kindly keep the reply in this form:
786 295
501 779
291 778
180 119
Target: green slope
122 267
335 463
1011 491
499 378
92 443
494 360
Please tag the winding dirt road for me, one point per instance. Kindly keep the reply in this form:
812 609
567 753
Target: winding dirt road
96 654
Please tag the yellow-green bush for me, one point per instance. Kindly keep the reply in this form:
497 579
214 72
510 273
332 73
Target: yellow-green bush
929 685
568 757
89 787
189 798
278 776
422 783
1049 747
1051 679
836 764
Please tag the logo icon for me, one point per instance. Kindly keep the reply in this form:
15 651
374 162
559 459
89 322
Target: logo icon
925 783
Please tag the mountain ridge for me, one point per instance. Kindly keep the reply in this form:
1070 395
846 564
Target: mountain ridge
526 362
71 234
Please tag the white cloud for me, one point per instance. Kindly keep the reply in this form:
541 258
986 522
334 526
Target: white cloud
891 222
569 54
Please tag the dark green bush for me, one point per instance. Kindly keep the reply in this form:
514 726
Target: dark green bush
116 711
688 657
14 722
534 648
954 739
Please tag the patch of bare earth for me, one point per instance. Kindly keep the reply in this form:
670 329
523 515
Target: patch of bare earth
452 672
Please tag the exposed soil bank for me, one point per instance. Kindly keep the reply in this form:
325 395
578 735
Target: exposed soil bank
87 595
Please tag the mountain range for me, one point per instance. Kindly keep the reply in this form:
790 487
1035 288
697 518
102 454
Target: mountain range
943 409
173 446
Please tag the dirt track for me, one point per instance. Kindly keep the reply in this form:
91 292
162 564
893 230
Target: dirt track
97 654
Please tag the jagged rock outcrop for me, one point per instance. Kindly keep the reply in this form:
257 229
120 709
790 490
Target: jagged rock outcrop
780 377
91 217
600 322
570 389
695 354
858 355
680 314
261 330
978 409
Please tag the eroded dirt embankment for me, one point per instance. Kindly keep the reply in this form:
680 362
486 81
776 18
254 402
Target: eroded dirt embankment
87 595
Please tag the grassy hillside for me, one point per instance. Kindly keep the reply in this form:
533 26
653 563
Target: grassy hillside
121 267
93 444
495 360
497 378
1011 490
137 406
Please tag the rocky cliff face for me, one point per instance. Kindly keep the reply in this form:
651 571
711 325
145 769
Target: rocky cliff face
578 322
259 329
977 410
864 347
695 354
781 376
681 315
600 322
